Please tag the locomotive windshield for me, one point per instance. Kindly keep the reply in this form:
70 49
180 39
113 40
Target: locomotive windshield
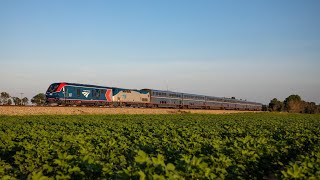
53 88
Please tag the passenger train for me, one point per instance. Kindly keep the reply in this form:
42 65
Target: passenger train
63 93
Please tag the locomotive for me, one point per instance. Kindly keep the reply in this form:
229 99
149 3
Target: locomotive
63 93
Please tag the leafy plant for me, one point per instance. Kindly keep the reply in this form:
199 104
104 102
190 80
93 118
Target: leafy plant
181 146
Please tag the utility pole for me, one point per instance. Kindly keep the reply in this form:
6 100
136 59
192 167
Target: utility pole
167 85
21 98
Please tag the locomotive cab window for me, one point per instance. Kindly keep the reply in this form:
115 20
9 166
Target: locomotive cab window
53 88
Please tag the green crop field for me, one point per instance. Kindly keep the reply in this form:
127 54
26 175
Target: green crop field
185 146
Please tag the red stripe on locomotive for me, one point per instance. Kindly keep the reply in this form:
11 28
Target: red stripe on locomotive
109 95
60 87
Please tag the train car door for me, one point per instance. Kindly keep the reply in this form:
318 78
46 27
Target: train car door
96 94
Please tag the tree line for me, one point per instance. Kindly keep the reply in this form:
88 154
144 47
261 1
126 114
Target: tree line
6 99
293 104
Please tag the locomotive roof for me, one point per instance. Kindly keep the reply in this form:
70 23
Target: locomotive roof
77 84
90 85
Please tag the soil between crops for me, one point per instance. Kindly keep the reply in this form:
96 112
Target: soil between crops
35 110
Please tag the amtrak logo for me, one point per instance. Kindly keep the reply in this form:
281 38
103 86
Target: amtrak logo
86 93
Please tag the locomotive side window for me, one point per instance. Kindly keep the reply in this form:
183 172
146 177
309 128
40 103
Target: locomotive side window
127 91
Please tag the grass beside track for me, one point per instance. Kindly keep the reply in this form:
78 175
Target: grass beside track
179 146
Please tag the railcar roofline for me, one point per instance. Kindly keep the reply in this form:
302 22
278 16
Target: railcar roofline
220 98
78 84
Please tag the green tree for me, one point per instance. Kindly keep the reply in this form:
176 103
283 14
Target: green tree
293 104
39 99
9 102
25 101
4 98
310 108
275 105
265 107
16 101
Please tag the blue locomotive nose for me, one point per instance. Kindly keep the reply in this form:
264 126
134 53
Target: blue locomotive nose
52 97
54 93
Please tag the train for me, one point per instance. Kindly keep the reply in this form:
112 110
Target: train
74 94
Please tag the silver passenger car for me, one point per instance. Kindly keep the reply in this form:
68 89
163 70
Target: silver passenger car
171 99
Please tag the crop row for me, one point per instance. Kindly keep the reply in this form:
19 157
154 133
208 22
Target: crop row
238 146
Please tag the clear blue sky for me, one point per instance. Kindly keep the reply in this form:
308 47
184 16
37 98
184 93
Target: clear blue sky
254 50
